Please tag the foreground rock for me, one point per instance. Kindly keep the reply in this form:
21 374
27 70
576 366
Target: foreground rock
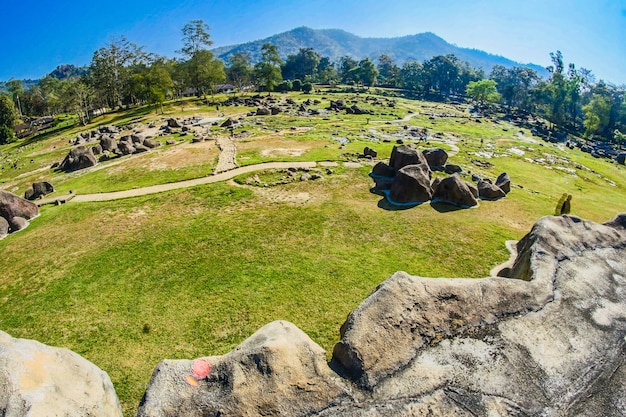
278 371
453 190
39 380
38 189
411 185
16 211
548 339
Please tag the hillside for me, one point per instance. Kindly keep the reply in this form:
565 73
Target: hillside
335 43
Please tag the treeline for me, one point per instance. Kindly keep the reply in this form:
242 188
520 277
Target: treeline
122 74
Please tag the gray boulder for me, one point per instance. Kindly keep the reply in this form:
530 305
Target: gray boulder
412 185
97 149
78 158
489 191
436 157
149 143
263 111
455 191
404 155
4 227
39 380
173 123
367 151
39 189
139 148
504 182
16 210
278 371
452 168
621 158
383 170
108 143
125 148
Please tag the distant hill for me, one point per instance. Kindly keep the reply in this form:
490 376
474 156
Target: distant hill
335 43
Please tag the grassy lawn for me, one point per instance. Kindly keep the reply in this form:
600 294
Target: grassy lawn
190 273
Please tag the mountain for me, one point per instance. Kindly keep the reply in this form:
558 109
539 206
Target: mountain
335 43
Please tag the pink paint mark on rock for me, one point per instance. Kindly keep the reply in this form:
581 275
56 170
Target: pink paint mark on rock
200 368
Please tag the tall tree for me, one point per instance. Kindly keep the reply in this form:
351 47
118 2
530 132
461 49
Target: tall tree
8 116
240 71
109 71
302 65
411 76
346 67
195 37
268 72
483 91
388 71
367 72
597 115
204 71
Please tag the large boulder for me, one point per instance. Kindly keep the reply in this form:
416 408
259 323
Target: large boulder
39 189
455 191
404 155
78 158
411 185
149 143
125 147
381 169
108 143
621 158
16 210
263 111
4 227
436 157
489 191
39 380
278 371
173 123
504 182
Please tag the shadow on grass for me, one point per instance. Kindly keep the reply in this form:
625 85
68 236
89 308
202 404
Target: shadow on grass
445 207
384 204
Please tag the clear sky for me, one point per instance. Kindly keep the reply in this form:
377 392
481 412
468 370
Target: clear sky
36 36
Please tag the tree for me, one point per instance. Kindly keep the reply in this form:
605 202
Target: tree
388 71
346 66
483 91
411 76
109 72
307 87
516 85
240 71
597 115
16 89
8 116
195 37
268 72
326 72
204 71
367 72
301 65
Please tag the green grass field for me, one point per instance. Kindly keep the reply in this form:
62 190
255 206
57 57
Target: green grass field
193 272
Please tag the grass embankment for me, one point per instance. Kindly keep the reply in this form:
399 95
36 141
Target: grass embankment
190 273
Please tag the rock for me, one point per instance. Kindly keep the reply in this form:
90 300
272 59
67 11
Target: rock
170 142
621 158
197 139
274 110
489 191
383 170
228 123
412 185
358 110
455 191
173 123
12 206
435 157
263 111
370 152
452 169
149 143
139 148
404 155
39 189
473 189
504 182
108 144
39 380
316 176
96 149
78 158
4 227
305 177
125 148
278 371
17 223
137 138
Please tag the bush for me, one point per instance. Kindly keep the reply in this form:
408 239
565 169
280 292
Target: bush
296 85
284 86
6 135
307 87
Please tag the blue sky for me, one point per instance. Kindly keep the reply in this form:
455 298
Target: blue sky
39 35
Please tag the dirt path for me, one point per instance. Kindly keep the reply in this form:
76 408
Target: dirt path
228 154
81 198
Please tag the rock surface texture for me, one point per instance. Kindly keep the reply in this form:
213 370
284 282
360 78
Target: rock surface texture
546 340
16 211
39 380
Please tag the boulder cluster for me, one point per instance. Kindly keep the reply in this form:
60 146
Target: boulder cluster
107 147
408 180
15 212
38 190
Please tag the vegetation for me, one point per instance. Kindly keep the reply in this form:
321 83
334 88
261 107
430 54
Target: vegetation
193 272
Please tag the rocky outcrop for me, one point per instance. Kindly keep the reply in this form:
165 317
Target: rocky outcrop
404 155
16 211
453 190
411 185
38 189
435 157
489 191
39 380
78 158
548 338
